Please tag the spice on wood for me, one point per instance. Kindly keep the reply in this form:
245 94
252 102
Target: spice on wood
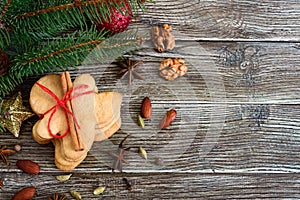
57 196
162 38
128 184
119 157
172 68
4 153
129 69
168 119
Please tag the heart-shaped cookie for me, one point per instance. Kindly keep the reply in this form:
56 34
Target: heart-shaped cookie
93 116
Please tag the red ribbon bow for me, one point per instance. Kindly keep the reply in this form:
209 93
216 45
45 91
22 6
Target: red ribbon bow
61 103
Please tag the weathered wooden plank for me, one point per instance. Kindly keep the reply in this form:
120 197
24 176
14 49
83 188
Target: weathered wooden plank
242 140
228 20
161 186
238 111
218 72
203 138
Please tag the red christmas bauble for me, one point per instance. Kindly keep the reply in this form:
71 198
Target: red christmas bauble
118 20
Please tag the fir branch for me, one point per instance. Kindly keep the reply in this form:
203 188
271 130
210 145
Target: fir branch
65 53
26 37
61 7
114 47
76 4
8 82
4 35
2 129
5 39
61 51
54 19
7 4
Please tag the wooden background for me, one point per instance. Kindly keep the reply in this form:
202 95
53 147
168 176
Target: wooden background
237 134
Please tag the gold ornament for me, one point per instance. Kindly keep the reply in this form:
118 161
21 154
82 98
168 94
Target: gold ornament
13 113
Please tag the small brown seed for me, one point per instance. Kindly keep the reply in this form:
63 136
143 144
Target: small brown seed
25 193
168 119
146 109
18 147
28 166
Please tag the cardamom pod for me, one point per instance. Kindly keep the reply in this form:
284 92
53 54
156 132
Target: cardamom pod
99 190
143 152
63 177
75 194
141 122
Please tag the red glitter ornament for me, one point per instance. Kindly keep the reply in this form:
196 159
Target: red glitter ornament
118 20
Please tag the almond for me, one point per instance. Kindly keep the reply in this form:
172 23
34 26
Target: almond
146 108
25 193
168 119
28 166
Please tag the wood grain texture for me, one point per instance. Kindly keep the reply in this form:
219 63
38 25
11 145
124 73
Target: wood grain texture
218 72
237 132
249 138
162 186
228 20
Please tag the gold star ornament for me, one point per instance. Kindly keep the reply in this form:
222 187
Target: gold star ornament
13 113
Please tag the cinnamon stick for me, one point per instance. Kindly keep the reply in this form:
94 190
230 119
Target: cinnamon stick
70 86
67 86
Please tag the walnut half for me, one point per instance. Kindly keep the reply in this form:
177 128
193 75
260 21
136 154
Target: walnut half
171 68
162 38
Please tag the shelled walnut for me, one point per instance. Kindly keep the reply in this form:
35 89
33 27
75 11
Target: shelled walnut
171 68
162 38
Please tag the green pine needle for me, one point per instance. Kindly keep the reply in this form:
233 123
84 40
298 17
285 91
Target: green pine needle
2 129
39 36
42 21
61 53
66 53
114 47
5 39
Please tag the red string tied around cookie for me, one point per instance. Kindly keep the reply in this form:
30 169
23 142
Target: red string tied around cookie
61 103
